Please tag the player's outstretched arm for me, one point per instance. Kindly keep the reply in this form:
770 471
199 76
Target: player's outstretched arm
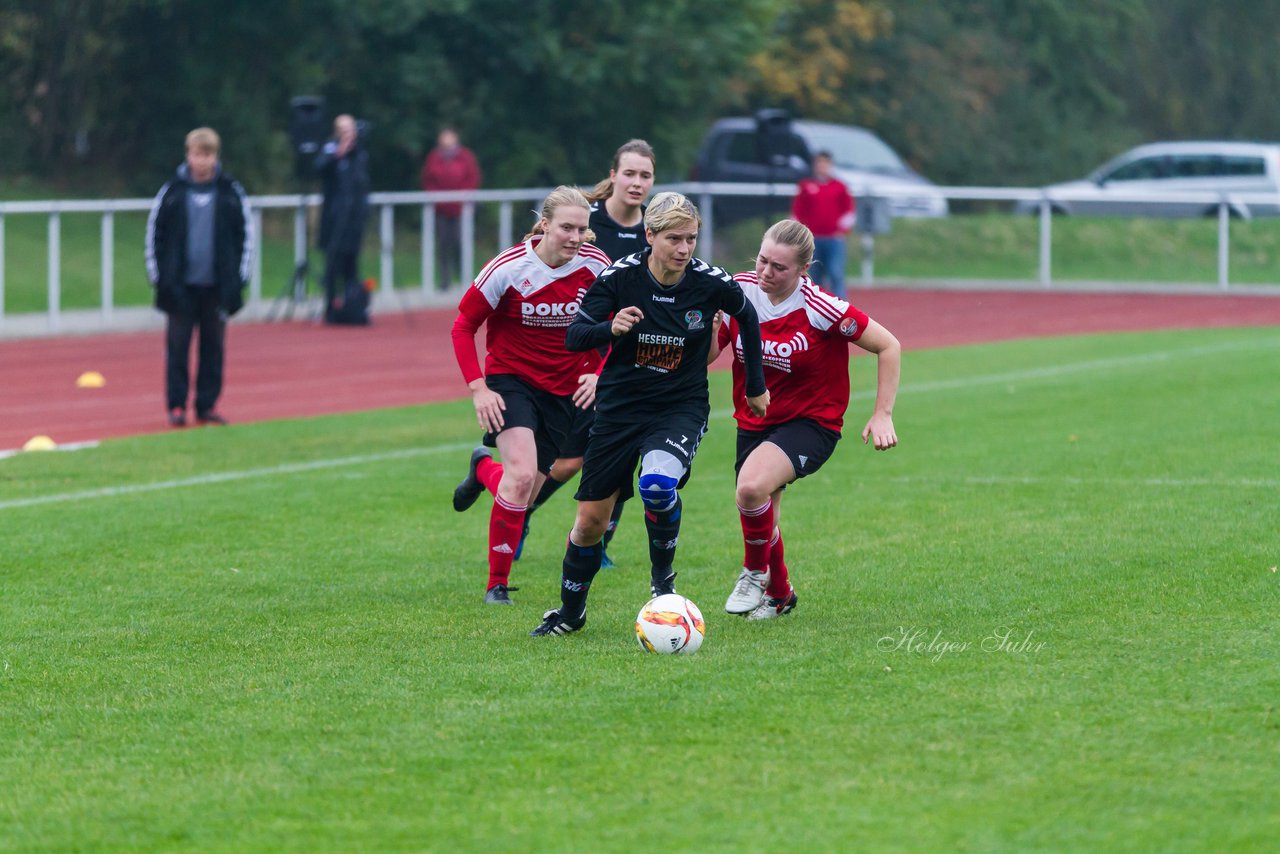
879 429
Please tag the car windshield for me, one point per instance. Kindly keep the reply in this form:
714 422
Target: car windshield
852 148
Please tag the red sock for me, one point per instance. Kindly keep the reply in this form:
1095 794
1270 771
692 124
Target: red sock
506 521
489 473
756 525
779 584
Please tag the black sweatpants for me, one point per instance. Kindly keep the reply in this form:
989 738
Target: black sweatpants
208 317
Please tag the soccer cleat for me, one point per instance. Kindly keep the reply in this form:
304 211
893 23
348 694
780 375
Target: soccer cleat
211 417
497 595
177 417
771 607
748 593
663 587
553 623
606 562
466 493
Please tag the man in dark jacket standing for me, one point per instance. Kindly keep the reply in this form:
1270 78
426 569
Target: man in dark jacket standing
343 166
199 247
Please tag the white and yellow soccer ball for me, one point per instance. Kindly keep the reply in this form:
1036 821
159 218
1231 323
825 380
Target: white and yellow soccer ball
670 624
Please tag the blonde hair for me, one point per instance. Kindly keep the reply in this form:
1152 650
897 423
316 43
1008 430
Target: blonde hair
788 232
562 196
204 139
604 189
670 210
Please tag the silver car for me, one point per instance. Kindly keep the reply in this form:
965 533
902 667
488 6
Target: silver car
1142 182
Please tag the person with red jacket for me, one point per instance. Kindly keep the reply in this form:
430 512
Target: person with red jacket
824 205
449 166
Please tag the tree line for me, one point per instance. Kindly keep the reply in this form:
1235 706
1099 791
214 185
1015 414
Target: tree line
96 95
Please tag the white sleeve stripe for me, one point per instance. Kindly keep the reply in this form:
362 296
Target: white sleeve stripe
512 254
149 243
822 303
246 256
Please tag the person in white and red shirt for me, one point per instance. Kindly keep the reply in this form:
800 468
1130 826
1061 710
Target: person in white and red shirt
526 297
805 334
823 204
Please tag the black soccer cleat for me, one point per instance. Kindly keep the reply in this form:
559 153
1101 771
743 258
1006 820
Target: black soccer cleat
663 587
553 623
466 493
497 595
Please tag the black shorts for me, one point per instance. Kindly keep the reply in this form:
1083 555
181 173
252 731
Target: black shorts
548 415
806 443
617 445
575 444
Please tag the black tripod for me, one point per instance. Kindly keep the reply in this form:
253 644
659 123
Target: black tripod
295 290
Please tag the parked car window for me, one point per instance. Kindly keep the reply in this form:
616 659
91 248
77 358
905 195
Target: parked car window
1142 169
852 148
1197 166
1244 166
742 148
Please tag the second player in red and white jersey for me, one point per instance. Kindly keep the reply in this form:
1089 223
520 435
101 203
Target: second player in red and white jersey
806 341
526 306
805 335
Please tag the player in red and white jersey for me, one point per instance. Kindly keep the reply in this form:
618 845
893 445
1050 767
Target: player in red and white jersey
805 333
526 297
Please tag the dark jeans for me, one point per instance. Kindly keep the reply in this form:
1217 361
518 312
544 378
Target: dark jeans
448 250
829 260
207 315
341 270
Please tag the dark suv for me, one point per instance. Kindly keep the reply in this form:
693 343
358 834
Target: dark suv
772 148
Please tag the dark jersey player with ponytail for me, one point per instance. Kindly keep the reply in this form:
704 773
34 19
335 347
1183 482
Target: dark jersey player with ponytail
617 221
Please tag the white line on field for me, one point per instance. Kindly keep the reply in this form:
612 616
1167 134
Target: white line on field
1020 480
907 388
223 477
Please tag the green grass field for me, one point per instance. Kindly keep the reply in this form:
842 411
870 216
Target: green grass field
1046 621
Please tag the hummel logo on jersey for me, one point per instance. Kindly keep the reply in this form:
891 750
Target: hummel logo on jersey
622 234
503 548
657 298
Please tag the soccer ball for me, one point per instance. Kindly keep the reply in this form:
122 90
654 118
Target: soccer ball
669 624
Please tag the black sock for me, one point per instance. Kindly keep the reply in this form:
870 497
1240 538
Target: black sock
613 522
581 563
663 527
549 487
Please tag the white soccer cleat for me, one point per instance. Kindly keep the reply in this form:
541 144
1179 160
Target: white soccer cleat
747 593
771 607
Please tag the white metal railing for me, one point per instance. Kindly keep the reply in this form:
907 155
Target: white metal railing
1042 202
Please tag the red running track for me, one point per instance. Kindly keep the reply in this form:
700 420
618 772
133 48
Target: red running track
298 368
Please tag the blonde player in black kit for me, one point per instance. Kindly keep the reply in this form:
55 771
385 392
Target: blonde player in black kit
617 221
655 309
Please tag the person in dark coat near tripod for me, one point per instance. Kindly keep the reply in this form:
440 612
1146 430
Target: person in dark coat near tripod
199 248
343 166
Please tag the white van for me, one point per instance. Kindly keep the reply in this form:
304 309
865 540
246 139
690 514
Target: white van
1246 171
